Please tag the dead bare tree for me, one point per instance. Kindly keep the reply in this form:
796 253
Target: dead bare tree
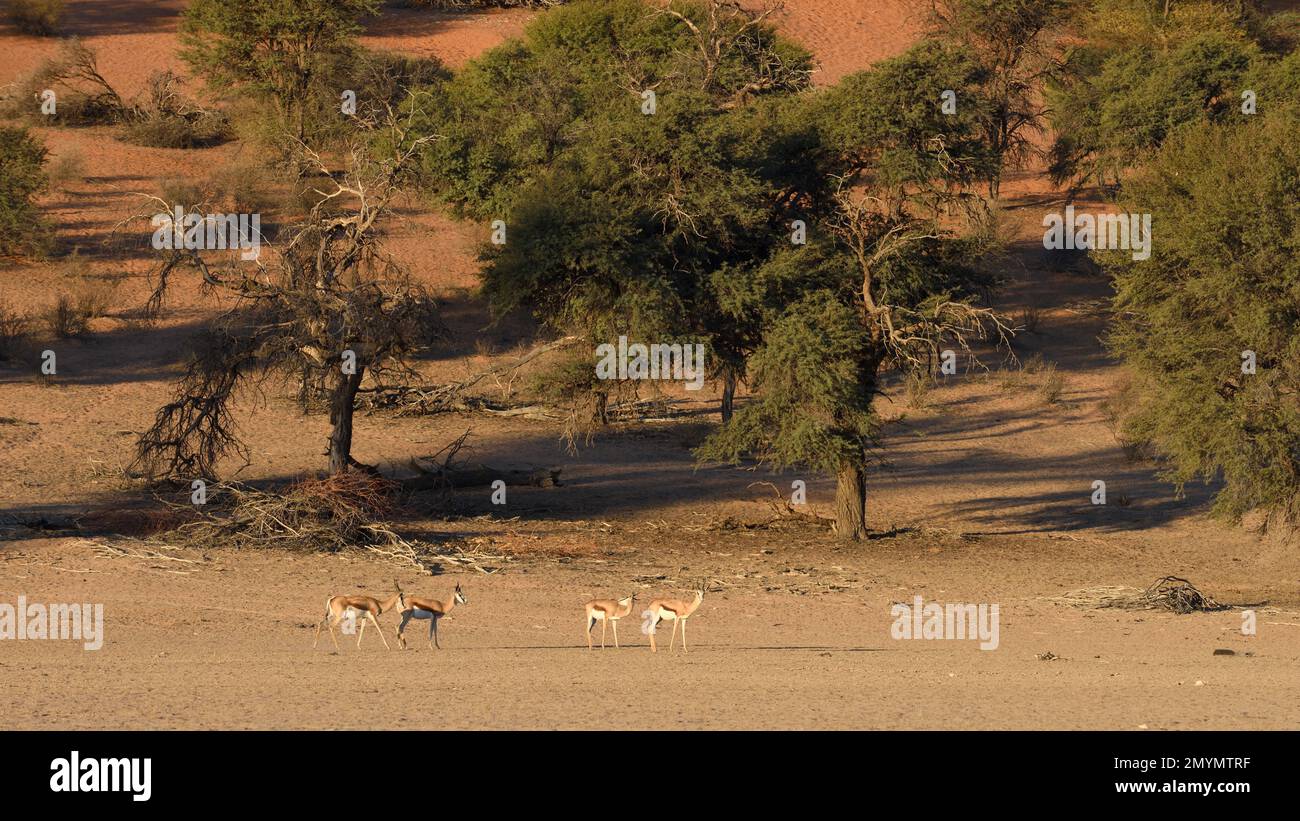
332 309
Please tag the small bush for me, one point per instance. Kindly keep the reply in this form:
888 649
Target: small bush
65 319
1038 374
22 179
1051 386
483 4
14 328
92 296
918 387
68 167
176 131
39 17
167 118
1029 320
242 188
82 95
181 191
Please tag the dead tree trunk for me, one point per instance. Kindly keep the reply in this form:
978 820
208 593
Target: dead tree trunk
342 406
851 504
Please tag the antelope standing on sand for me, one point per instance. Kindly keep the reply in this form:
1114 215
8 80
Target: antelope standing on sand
370 608
606 611
676 610
416 607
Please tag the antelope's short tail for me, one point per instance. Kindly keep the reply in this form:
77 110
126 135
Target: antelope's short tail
648 621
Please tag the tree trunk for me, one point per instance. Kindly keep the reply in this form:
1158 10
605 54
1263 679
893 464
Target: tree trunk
342 405
728 395
851 504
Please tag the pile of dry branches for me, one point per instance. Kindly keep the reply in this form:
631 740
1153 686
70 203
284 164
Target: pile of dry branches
1166 593
1180 596
344 511
335 513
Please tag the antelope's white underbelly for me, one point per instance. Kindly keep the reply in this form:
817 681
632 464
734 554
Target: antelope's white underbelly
417 613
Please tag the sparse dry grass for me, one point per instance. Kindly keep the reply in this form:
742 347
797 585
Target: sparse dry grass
1036 374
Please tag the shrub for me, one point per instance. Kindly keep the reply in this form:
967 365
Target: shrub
1051 386
39 17
22 178
83 96
288 51
166 118
242 188
68 167
176 131
65 319
14 328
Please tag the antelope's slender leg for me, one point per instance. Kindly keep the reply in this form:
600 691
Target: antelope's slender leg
673 640
380 631
615 634
604 623
333 638
406 620
361 633
401 628
684 650
590 624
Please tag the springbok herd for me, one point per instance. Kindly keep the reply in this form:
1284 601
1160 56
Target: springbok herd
606 611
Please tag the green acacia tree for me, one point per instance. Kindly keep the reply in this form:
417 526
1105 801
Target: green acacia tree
617 141
1016 44
282 49
1221 282
885 285
678 224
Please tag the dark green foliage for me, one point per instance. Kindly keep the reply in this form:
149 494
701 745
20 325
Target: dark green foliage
1137 97
888 124
676 226
1222 279
289 52
1016 45
577 76
39 17
22 179
813 399
1141 75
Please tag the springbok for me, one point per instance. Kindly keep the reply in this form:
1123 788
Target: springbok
337 607
606 611
431 609
676 610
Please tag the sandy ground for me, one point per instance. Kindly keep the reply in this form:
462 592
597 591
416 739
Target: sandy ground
988 485
796 634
